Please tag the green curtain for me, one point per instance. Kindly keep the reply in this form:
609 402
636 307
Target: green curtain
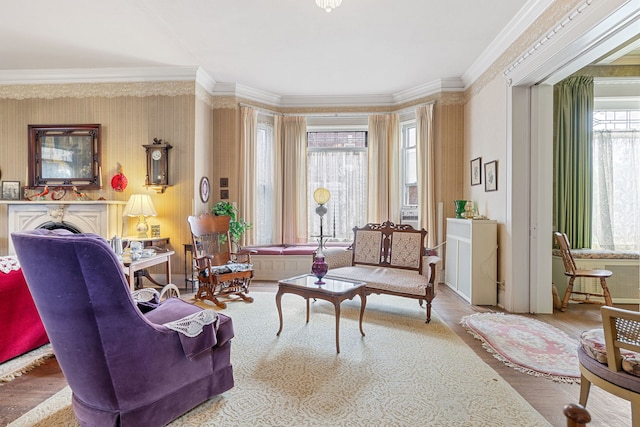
573 123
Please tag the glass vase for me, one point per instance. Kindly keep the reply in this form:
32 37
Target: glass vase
319 267
460 205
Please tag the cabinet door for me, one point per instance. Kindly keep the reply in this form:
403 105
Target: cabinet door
464 268
451 269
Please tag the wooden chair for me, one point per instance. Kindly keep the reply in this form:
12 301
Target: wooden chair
220 271
572 272
621 332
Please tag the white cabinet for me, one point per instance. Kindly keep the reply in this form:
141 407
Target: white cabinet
471 262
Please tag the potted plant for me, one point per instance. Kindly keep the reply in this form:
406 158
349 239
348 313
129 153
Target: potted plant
237 227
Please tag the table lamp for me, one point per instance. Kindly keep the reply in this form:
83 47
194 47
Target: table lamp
140 205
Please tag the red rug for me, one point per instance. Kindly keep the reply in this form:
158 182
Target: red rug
526 344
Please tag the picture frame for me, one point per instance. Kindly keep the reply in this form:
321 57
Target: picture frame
224 194
65 156
11 190
476 171
491 176
205 189
224 182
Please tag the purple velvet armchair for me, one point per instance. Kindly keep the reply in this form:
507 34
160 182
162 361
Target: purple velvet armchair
124 367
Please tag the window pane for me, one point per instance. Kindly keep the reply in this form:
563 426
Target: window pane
341 167
264 185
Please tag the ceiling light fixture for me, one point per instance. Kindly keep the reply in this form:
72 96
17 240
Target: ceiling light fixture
328 5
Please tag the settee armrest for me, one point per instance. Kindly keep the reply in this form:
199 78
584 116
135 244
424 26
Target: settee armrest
338 257
430 268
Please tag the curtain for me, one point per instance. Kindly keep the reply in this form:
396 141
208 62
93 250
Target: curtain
426 173
573 159
247 191
383 186
616 192
278 179
294 211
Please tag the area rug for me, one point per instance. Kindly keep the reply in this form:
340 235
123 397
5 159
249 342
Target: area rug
527 344
402 373
17 366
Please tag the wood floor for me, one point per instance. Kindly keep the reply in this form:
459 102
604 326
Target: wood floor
546 396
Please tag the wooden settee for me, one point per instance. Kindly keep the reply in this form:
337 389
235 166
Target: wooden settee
391 259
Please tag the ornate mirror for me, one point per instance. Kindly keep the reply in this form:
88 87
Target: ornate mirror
64 156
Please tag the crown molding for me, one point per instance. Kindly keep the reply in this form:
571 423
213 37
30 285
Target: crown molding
99 75
503 41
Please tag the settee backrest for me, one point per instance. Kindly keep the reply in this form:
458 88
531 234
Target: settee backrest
389 245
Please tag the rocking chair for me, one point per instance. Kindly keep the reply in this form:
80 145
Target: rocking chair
221 273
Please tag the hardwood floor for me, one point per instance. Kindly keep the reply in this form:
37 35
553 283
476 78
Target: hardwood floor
546 396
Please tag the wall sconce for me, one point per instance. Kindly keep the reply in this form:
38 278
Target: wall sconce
140 205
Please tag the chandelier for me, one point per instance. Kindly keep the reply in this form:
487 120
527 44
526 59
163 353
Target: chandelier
328 5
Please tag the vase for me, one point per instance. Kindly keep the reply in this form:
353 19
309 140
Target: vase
319 267
460 206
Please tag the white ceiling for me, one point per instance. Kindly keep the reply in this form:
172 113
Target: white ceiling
282 47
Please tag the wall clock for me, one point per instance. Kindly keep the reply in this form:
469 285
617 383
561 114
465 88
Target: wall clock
157 165
205 189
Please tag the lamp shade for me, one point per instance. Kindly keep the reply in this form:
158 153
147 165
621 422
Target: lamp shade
321 195
139 204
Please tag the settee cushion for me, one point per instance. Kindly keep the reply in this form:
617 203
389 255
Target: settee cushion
593 344
387 279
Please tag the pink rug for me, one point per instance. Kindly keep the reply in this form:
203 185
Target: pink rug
526 344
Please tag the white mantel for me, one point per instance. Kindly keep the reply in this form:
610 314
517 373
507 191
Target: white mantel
103 217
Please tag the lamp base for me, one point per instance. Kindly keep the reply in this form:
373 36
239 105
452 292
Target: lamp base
142 227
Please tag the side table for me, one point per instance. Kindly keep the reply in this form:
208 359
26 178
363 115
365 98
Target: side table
333 290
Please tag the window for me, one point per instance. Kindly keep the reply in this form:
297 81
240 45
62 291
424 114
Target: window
264 185
337 160
408 174
616 180
409 166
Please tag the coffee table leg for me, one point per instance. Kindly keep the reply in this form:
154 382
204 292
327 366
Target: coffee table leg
363 304
337 305
279 305
307 309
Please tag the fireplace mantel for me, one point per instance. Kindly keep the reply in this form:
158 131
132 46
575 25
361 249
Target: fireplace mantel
102 217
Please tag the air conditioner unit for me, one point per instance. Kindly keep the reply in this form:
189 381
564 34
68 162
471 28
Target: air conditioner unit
409 216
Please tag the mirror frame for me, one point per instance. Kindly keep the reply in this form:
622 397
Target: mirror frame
81 143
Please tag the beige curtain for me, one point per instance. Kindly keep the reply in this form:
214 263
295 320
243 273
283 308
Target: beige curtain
426 174
248 145
294 211
278 179
383 184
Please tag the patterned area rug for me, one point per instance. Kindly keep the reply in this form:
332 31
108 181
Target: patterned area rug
526 344
402 373
18 365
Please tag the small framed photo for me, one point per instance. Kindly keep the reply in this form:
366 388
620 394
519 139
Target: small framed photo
476 174
11 190
224 194
224 182
491 176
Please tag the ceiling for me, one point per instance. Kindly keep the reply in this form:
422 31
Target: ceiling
281 47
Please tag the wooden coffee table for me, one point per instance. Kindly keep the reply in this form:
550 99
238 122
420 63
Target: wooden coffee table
333 290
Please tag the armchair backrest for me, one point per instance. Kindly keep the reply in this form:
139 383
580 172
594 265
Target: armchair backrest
621 331
98 335
389 245
210 238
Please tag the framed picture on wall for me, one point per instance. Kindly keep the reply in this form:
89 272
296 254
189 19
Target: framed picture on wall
224 194
476 174
11 190
205 189
491 176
